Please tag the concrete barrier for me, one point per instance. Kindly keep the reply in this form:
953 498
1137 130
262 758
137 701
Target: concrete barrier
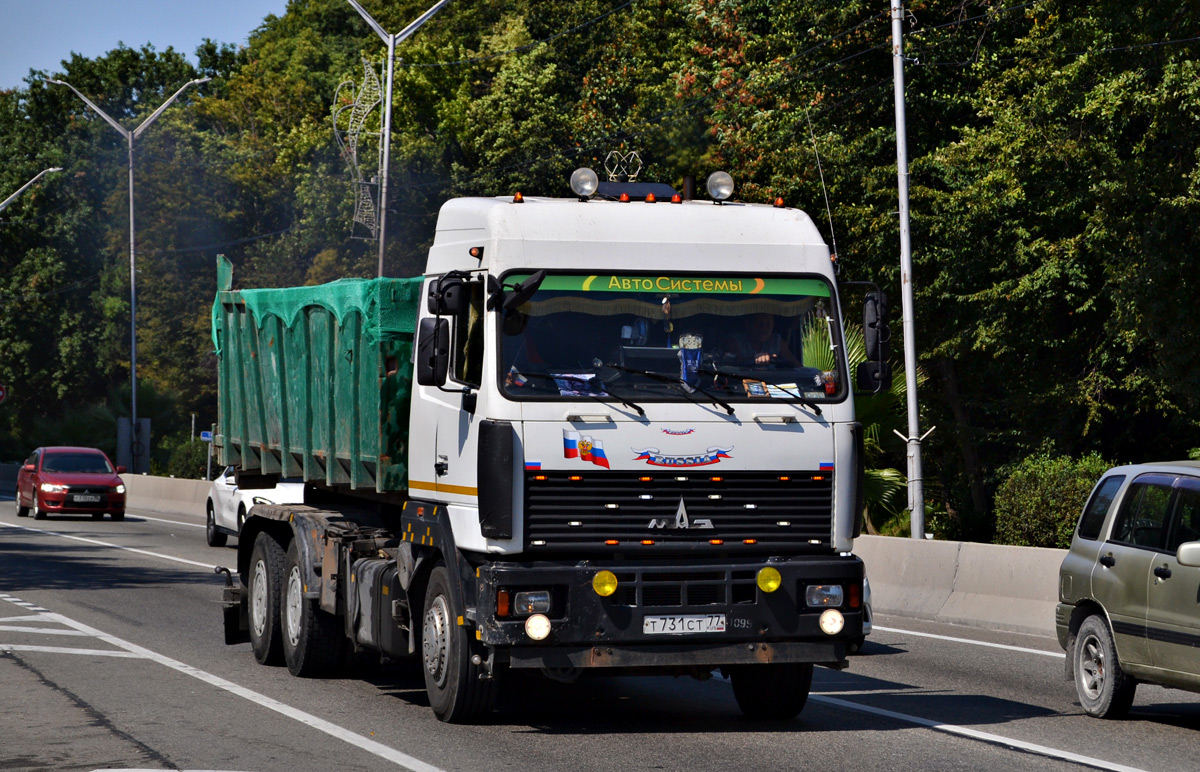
8 477
982 585
166 494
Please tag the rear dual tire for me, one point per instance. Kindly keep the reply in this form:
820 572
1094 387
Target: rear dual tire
266 576
313 643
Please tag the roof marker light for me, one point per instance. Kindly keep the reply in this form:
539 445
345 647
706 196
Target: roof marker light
676 199
779 202
624 198
518 198
651 198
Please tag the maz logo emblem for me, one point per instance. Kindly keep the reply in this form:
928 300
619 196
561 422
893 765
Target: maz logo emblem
682 522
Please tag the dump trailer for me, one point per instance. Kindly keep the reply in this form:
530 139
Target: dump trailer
611 433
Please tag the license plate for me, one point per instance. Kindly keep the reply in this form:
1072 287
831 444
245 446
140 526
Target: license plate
683 624
86 498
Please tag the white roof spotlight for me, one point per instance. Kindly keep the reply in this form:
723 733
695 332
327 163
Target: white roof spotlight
584 182
720 186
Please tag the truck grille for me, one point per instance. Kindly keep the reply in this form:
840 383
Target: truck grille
600 511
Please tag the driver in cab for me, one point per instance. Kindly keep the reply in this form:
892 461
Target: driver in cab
759 345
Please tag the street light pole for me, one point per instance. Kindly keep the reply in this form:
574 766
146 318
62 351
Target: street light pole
21 190
386 139
137 449
916 485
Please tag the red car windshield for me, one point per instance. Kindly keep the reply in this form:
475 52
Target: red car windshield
76 463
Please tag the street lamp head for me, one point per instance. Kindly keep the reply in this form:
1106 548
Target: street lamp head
55 82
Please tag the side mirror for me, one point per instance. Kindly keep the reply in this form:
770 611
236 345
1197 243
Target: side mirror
29 468
874 377
524 291
447 296
121 470
876 335
433 351
1188 554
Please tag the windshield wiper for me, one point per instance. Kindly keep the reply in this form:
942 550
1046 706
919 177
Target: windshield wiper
593 380
799 397
674 380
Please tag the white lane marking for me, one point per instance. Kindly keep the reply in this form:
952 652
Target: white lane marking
42 630
1022 649
67 650
26 618
163 520
97 542
975 734
320 724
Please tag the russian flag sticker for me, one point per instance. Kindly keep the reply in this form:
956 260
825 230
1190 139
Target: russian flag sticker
570 444
531 464
826 466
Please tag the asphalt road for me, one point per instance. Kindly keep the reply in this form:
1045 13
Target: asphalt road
111 656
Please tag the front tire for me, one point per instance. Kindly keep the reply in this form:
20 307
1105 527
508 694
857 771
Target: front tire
38 514
21 511
312 639
1105 691
214 537
771 692
266 576
456 692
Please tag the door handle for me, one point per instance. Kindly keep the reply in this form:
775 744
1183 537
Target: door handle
442 466
1162 572
1108 561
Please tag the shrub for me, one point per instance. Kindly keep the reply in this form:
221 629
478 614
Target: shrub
189 460
1039 503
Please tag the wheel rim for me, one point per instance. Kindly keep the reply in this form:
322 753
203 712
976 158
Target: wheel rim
295 597
258 599
1091 668
435 640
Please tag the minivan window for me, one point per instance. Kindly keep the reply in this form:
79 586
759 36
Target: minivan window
1097 508
1144 512
1186 526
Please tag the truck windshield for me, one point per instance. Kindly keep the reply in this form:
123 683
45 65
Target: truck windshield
646 338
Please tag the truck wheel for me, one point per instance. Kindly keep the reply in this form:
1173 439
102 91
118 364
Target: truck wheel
312 639
214 537
1105 691
266 575
456 692
771 692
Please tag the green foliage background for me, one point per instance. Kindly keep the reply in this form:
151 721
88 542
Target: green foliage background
1053 171
1039 503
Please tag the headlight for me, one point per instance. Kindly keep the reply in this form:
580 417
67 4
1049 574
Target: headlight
832 621
119 489
769 579
604 583
537 627
823 595
52 488
533 602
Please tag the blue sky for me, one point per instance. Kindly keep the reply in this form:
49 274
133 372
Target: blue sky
39 34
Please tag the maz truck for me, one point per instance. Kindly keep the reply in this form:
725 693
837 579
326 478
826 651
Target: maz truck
612 433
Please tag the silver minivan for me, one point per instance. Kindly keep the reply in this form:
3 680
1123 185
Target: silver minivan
1129 588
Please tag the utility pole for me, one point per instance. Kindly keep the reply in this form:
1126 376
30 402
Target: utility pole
386 139
137 448
916 487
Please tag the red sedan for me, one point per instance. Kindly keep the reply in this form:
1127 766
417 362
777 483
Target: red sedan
70 481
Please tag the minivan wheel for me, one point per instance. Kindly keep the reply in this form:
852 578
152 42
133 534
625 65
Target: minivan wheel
1105 691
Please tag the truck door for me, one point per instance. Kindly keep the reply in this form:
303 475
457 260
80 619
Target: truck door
457 428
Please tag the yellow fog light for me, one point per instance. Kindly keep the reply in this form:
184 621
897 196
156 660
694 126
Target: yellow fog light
769 579
832 621
537 627
604 583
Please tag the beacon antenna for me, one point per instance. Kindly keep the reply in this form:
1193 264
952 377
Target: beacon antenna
351 109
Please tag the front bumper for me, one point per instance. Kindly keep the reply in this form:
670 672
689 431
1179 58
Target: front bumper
591 631
65 504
